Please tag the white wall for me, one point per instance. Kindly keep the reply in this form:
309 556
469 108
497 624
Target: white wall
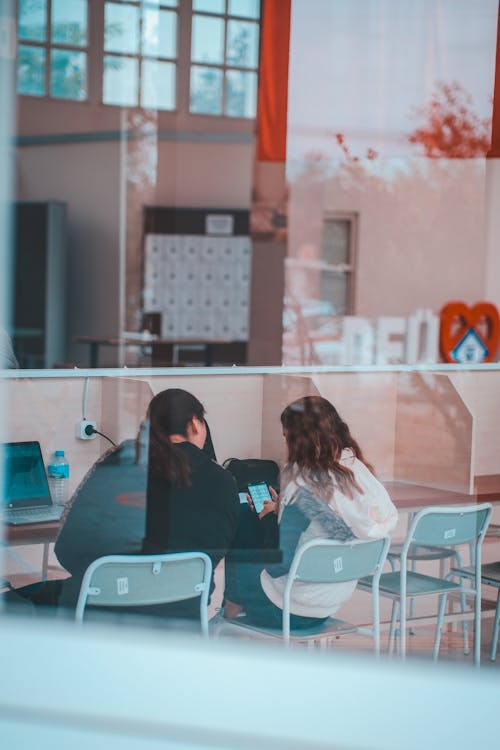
421 231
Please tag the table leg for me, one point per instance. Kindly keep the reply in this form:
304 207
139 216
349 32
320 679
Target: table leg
94 353
45 560
209 356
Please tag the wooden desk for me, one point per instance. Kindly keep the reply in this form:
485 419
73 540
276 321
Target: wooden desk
414 497
33 533
164 352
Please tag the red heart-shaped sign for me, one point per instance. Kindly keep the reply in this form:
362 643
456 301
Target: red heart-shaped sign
457 319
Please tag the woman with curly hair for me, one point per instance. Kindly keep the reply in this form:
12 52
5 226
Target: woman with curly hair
328 490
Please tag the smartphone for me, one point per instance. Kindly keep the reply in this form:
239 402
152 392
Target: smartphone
259 492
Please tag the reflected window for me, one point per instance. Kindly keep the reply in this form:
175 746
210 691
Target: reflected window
140 54
52 48
224 57
336 273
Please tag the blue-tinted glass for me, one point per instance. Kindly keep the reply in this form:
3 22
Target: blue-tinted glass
207 40
210 6
68 74
241 94
159 33
121 75
158 84
242 44
69 22
206 91
31 70
121 28
32 20
244 8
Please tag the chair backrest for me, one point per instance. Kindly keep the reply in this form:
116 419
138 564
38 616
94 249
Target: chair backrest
143 580
329 561
448 526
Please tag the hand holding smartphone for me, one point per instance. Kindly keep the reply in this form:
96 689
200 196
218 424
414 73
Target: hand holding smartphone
259 493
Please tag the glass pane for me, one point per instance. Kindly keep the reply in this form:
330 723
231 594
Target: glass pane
336 241
120 81
241 93
333 289
207 42
159 33
242 44
206 91
31 70
68 74
121 28
69 22
158 85
210 6
244 8
32 20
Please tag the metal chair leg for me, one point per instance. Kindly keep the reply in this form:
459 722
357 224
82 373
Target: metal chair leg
392 632
494 642
439 627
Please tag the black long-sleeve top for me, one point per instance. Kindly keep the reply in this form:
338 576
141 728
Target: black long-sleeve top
201 517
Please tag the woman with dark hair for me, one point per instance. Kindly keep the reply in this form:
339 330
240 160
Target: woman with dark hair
192 503
328 490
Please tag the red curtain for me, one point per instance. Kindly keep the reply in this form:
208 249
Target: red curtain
495 130
273 81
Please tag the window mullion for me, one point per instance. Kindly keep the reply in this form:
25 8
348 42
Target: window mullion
95 48
48 48
183 66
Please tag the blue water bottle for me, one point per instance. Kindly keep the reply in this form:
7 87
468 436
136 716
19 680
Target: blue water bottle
58 473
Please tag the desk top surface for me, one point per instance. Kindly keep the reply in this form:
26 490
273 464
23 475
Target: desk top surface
31 533
406 497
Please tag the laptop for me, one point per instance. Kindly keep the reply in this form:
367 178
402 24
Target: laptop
25 496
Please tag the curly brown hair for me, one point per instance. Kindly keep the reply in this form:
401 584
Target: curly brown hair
316 436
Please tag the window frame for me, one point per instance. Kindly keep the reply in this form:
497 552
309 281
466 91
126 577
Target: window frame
140 56
35 113
224 67
349 268
48 45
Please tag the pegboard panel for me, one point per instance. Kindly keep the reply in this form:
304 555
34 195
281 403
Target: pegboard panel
200 285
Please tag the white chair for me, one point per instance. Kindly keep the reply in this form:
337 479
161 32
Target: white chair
145 580
436 527
323 561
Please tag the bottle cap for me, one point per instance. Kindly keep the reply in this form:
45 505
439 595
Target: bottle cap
59 453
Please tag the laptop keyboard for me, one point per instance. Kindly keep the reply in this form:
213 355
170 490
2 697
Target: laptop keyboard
32 515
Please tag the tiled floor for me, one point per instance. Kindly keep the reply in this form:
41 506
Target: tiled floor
420 645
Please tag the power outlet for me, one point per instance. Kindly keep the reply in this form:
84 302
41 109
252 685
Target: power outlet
85 429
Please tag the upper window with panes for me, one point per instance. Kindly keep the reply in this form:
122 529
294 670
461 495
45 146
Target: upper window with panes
224 57
140 54
52 48
134 54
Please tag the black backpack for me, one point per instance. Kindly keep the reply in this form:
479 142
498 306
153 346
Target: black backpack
249 470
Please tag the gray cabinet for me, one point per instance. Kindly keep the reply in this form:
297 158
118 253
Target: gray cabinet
39 309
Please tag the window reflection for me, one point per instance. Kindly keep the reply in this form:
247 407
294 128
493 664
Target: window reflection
31 70
69 22
32 23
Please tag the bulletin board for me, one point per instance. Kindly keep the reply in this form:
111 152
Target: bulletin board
196 272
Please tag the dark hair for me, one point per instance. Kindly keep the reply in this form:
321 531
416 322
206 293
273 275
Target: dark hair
170 412
316 436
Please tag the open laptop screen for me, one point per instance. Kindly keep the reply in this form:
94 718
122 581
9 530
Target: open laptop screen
24 479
